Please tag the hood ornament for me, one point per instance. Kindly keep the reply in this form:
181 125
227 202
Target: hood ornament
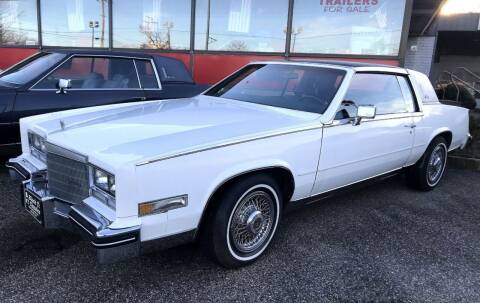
62 124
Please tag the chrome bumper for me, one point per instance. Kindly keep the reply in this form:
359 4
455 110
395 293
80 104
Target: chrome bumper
111 245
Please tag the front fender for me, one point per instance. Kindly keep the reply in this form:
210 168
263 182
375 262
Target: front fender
244 168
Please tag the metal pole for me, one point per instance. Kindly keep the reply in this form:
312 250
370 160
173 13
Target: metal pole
102 39
39 24
288 37
207 40
110 24
192 35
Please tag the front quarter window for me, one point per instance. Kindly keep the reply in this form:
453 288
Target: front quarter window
297 87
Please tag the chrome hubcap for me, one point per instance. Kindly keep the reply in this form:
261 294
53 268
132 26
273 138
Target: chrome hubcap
436 164
252 221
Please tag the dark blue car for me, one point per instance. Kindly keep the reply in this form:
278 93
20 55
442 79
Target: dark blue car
64 79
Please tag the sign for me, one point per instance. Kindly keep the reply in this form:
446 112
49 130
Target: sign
349 6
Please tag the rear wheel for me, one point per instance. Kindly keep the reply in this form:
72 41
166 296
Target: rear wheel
428 171
244 221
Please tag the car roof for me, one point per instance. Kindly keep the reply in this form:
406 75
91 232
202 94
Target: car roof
102 52
358 66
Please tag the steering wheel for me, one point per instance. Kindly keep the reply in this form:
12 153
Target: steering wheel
313 101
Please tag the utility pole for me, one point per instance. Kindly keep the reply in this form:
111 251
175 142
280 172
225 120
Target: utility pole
169 25
93 25
295 33
102 16
207 40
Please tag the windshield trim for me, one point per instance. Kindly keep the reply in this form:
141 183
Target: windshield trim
240 71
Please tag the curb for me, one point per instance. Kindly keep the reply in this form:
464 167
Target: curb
464 163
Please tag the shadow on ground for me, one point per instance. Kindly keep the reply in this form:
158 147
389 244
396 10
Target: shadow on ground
384 243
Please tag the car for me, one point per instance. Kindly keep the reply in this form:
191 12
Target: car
221 168
56 80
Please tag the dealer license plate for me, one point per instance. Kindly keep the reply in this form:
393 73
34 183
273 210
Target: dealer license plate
33 205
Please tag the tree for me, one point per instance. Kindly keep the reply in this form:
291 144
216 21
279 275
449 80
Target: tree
8 34
156 39
237 45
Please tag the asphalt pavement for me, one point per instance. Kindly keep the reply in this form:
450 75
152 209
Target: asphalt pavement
383 243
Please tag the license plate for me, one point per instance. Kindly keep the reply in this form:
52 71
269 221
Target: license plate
33 205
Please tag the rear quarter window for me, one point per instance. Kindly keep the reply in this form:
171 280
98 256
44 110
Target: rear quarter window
425 88
171 70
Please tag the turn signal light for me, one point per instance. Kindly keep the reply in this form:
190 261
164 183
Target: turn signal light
161 206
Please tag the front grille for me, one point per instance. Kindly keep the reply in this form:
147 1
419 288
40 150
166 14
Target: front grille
67 178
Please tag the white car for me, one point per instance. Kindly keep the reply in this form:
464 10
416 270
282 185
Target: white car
222 167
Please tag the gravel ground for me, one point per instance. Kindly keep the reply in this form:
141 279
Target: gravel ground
384 243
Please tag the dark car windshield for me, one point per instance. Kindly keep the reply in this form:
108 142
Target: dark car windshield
304 88
26 71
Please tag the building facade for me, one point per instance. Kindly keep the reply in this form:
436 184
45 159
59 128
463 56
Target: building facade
212 37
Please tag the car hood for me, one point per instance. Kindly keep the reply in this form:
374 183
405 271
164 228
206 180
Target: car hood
113 136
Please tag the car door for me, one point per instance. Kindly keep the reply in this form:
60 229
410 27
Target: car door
96 80
352 153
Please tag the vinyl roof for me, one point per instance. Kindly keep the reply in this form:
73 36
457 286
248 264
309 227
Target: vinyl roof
343 63
104 53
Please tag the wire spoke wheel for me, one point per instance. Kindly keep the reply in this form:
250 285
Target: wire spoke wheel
436 164
252 221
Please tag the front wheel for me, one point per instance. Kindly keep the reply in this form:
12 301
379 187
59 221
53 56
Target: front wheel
244 221
428 171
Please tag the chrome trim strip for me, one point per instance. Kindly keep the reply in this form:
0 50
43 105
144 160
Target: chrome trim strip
378 118
138 76
9 123
347 185
113 243
230 143
83 227
381 69
155 69
16 170
94 89
10 144
53 70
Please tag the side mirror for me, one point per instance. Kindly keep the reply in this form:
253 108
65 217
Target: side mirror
364 112
63 85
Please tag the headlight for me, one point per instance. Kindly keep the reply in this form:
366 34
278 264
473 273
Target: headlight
37 146
104 181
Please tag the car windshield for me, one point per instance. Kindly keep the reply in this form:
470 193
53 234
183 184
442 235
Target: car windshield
297 87
28 70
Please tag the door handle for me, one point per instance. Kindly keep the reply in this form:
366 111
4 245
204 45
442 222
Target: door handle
410 125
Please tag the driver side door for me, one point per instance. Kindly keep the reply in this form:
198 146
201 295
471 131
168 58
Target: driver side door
353 153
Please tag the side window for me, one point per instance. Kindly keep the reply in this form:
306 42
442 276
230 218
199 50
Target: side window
94 73
407 94
380 90
146 73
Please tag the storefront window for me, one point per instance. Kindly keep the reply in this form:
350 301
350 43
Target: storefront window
347 27
241 25
151 24
18 22
75 23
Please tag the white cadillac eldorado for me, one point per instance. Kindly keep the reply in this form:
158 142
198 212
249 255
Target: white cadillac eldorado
222 167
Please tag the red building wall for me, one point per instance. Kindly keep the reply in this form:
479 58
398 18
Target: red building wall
207 68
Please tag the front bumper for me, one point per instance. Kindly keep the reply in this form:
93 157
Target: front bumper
111 245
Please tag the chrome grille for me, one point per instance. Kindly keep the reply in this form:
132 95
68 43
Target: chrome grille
67 178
